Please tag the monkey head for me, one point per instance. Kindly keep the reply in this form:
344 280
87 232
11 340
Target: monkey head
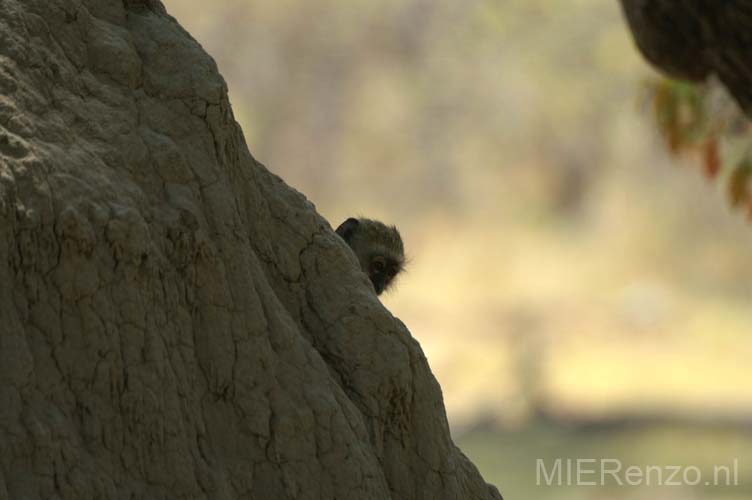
378 247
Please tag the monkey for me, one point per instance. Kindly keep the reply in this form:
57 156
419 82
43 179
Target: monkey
378 247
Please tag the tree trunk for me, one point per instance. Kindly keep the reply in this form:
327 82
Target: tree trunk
175 321
692 39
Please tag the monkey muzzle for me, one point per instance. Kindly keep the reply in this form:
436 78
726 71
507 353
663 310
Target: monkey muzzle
379 281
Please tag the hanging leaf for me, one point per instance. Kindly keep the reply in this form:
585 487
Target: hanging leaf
738 188
679 112
711 158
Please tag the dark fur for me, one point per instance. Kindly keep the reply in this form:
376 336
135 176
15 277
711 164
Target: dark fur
378 247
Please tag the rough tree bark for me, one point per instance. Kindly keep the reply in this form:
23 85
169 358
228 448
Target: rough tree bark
176 322
692 39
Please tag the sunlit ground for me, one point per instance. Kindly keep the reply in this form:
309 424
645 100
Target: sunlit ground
566 276
510 459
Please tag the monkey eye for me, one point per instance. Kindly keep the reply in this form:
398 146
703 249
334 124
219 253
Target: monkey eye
377 265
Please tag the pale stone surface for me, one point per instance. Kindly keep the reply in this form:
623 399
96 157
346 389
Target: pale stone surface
176 322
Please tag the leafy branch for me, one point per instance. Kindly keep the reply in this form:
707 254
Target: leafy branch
702 121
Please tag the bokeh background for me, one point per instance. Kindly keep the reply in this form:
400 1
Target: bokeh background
578 292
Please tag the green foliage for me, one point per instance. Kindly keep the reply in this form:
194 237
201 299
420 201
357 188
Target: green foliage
696 119
679 112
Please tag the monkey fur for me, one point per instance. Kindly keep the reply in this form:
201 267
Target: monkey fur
378 247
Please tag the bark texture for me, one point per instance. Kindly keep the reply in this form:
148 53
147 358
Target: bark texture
692 39
176 322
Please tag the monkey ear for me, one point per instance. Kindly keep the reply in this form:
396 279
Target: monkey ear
347 228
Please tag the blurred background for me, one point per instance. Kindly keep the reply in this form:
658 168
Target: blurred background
577 291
